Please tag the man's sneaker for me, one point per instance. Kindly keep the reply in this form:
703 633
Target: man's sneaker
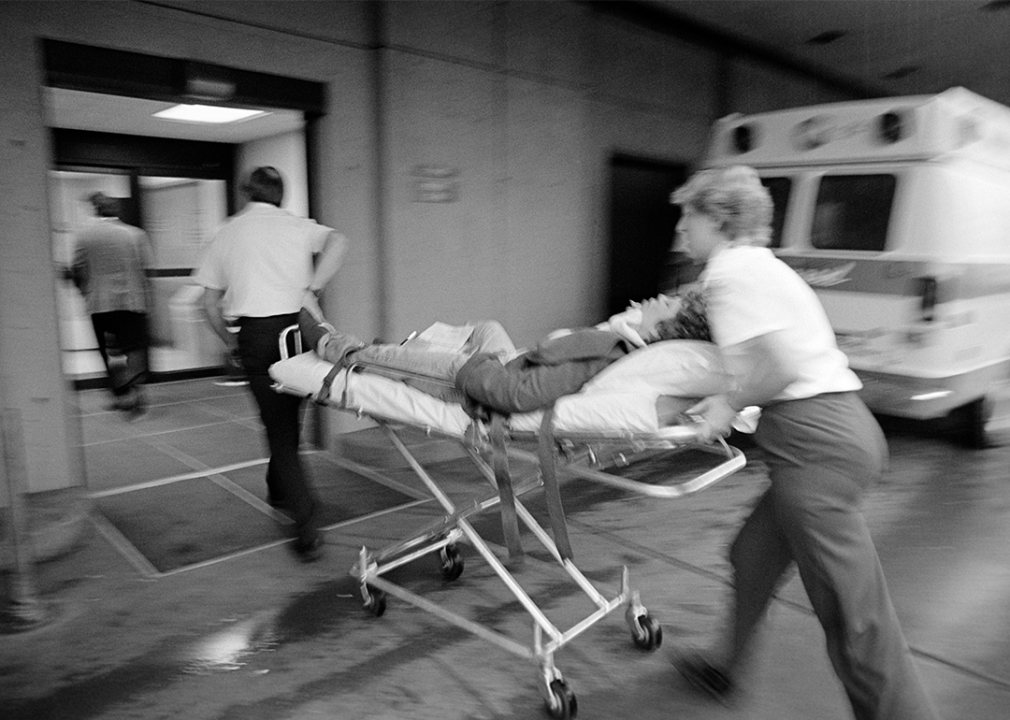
705 677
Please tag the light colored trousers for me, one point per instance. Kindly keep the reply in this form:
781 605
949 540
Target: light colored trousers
419 358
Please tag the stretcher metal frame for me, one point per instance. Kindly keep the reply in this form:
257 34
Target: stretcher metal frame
564 451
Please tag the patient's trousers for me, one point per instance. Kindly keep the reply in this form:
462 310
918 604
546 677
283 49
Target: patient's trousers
416 356
822 454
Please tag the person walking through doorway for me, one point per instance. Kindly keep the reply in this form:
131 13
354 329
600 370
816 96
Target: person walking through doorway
270 262
109 268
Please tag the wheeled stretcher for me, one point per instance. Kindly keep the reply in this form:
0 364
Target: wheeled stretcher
586 435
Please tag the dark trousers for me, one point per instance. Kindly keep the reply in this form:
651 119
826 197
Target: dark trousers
123 344
287 483
822 454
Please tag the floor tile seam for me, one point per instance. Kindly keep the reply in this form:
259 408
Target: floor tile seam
174 453
165 404
224 414
979 675
143 436
371 474
178 478
247 497
123 546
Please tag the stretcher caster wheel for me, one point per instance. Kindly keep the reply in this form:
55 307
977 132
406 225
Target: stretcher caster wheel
451 563
647 632
375 603
562 703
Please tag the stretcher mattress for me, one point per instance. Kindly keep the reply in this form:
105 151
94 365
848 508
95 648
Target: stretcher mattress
632 395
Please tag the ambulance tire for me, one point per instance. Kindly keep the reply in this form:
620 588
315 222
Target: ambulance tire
969 421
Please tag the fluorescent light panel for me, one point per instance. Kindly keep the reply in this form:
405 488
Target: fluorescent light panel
207 114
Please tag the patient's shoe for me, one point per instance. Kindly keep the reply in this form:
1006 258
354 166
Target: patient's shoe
314 332
705 676
324 339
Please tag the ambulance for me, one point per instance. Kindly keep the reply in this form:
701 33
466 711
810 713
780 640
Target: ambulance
896 212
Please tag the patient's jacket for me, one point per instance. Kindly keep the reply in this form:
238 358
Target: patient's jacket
555 367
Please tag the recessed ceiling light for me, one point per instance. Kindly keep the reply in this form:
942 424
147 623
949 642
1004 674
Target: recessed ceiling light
827 37
207 114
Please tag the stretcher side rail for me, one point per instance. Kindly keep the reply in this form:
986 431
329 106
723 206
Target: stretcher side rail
675 438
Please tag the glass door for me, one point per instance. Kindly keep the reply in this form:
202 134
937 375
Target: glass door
180 216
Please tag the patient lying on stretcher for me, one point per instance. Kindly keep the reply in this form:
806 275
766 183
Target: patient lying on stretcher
485 371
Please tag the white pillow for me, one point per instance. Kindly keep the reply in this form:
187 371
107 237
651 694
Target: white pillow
683 368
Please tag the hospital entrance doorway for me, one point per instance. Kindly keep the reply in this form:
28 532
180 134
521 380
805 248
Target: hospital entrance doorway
642 224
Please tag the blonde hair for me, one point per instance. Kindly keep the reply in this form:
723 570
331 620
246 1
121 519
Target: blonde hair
735 198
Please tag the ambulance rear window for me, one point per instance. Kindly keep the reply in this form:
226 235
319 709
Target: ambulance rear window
852 212
779 188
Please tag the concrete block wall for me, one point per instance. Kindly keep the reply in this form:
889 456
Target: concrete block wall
515 107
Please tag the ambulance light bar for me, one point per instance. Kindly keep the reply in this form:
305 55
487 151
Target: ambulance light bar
812 133
892 127
744 137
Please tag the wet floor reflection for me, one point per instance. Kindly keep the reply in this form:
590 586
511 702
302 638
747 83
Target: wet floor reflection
228 648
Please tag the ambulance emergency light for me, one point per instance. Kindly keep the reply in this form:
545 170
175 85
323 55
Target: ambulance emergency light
897 129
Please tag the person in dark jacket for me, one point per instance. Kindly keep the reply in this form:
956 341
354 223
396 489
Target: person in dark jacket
109 268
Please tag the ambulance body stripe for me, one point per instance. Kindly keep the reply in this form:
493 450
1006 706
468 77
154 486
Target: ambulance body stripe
957 280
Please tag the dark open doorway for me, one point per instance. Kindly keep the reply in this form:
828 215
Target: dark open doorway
642 224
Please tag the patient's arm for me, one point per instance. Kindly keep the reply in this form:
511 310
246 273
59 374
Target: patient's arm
511 388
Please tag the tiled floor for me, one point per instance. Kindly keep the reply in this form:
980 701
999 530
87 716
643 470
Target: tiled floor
193 464
145 622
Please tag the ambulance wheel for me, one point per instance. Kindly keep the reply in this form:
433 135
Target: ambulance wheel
969 422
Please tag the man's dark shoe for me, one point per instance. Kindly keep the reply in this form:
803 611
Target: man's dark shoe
705 677
132 404
309 548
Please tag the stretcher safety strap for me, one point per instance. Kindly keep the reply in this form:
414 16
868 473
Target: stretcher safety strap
509 521
324 392
548 472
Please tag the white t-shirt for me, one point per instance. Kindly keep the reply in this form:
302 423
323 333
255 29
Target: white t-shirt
753 293
263 257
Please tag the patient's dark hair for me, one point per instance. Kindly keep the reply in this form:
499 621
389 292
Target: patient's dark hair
690 322
265 185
